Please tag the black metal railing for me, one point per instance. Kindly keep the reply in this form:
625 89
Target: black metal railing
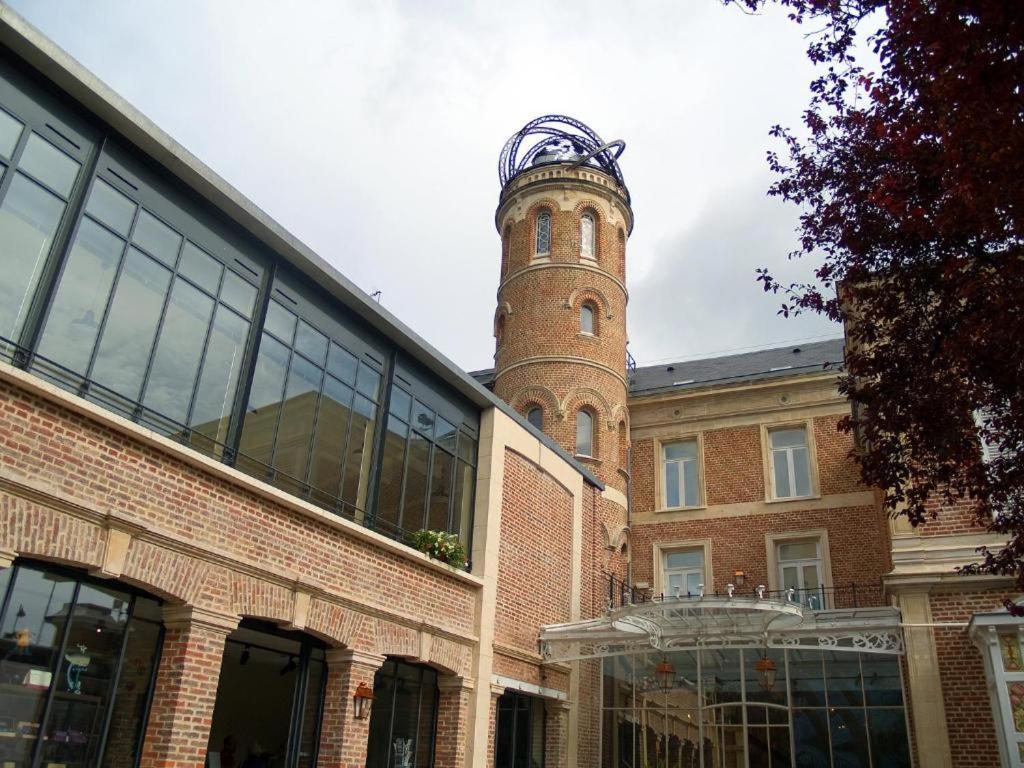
630 367
845 596
110 400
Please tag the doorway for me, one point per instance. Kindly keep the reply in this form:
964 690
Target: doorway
269 699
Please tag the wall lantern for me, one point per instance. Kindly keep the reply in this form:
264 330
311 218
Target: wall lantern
362 700
766 672
739 577
666 674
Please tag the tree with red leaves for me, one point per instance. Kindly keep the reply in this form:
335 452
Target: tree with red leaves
910 182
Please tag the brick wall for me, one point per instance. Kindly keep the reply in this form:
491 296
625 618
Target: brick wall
858 543
972 730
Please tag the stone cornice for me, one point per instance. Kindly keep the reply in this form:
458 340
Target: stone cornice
561 359
541 265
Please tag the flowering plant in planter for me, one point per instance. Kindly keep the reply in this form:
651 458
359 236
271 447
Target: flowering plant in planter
442 546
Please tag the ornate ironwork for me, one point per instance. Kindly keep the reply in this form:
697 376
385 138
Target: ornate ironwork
565 139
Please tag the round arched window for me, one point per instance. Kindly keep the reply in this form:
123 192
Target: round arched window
536 416
587 319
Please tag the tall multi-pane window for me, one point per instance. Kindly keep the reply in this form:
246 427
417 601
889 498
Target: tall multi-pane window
311 413
543 234
683 572
519 731
149 317
37 180
587 319
790 463
426 479
681 474
584 433
800 569
587 248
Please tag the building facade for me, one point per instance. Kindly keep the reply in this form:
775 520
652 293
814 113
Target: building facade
220 458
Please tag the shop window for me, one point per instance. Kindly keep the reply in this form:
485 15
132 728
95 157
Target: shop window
403 720
269 699
584 433
78 660
790 463
680 474
683 572
542 242
519 739
588 249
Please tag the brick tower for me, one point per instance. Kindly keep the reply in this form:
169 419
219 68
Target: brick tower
560 325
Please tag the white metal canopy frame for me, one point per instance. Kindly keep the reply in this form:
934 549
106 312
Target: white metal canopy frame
691 623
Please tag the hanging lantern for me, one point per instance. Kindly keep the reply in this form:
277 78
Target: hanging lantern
766 672
362 700
666 674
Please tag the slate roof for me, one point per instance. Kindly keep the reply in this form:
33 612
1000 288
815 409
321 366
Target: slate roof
749 366
774 363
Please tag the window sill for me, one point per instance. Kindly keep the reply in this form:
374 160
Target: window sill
586 459
590 336
792 498
542 258
663 510
588 260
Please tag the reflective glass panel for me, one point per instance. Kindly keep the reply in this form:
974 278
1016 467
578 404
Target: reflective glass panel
331 434
849 738
201 268
10 132
131 326
128 715
798 550
359 453
111 207
156 238
786 438
415 482
887 733
687 558
81 298
28 221
280 322
390 493
48 164
368 382
216 390
237 293
179 352
440 490
298 413
265 396
311 343
584 433
341 364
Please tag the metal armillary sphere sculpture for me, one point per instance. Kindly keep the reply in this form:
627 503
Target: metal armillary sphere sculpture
559 139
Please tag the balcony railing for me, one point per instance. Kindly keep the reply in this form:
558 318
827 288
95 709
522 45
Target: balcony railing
110 400
852 595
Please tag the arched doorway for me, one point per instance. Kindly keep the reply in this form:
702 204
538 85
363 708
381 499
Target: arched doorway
403 721
269 699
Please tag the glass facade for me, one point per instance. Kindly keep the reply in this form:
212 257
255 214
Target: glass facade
819 709
124 287
77 662
403 718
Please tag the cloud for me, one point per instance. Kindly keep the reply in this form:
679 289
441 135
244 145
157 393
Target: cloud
372 131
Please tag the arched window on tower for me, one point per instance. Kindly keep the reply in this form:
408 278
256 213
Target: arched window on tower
587 319
622 254
587 249
584 433
535 415
543 239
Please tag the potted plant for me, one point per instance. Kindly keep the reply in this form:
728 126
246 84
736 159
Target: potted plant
442 546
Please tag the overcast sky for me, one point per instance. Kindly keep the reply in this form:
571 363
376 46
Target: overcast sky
371 130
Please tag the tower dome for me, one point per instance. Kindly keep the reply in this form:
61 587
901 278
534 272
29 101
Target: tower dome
564 217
